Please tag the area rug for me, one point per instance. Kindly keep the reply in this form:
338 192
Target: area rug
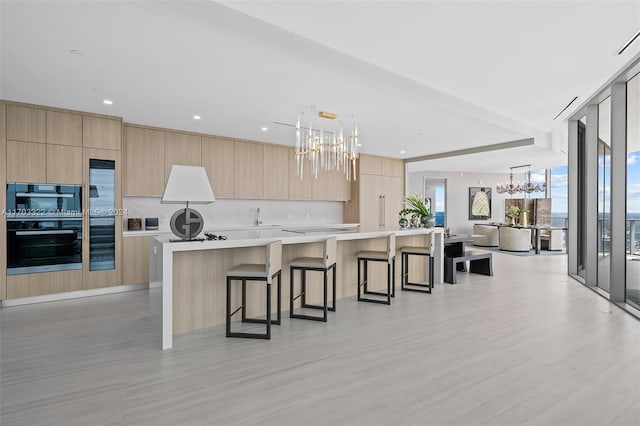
520 253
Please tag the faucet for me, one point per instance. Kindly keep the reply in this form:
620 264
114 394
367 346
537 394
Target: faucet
258 218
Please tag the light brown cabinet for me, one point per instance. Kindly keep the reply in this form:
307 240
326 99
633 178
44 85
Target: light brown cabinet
26 162
376 199
64 164
371 215
111 277
28 285
143 159
26 124
371 165
135 260
299 189
40 163
64 128
392 167
249 170
101 133
219 161
183 149
276 172
392 196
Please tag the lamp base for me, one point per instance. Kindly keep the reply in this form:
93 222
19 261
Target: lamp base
186 224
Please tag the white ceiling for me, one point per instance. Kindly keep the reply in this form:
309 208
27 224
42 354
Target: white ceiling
423 77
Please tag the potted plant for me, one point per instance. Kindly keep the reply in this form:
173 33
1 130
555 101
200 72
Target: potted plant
415 207
513 214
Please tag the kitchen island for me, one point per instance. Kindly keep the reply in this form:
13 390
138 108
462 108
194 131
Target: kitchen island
192 274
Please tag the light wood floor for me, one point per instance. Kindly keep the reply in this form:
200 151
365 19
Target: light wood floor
529 345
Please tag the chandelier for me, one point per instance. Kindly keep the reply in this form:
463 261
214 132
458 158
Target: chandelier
326 149
526 187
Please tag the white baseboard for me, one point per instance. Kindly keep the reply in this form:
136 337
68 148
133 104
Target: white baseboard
74 294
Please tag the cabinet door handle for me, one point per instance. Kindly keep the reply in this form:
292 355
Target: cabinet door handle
380 210
384 210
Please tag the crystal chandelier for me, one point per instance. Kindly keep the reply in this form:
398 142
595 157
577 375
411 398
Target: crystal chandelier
326 149
526 187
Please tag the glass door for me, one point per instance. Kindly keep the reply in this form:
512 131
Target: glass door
102 209
632 289
604 194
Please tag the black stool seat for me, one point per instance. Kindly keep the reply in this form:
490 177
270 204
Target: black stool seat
423 251
322 264
257 272
388 256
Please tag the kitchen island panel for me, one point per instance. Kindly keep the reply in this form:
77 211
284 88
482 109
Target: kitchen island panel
199 278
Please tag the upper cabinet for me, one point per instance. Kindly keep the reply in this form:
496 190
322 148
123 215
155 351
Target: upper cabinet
218 160
181 148
276 172
26 162
393 167
249 170
371 165
101 133
64 128
143 159
299 189
26 124
64 164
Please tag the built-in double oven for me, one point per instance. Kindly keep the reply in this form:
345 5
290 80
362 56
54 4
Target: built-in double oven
44 227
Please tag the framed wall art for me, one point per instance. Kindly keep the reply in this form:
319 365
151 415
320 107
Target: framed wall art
479 203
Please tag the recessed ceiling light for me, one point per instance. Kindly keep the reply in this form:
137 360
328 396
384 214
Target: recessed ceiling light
264 128
76 52
107 102
420 134
403 151
196 117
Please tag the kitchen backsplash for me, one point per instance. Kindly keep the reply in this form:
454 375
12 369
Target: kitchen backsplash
235 213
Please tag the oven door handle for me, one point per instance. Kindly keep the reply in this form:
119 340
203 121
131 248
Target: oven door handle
57 232
44 195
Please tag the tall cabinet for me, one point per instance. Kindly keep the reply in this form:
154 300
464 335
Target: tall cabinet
376 194
50 145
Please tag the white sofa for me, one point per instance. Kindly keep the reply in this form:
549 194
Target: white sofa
515 239
552 239
485 235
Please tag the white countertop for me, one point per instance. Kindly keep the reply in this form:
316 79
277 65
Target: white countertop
251 238
226 229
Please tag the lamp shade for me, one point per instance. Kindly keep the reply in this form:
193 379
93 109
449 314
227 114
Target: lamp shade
188 184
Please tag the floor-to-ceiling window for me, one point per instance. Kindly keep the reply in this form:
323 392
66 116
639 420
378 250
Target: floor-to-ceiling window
604 193
632 290
581 213
435 190
557 187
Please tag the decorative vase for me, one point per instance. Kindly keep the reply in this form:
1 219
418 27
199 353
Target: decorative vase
426 221
511 222
524 219
414 222
403 222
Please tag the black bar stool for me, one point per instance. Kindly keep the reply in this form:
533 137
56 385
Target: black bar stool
388 256
257 272
323 264
423 251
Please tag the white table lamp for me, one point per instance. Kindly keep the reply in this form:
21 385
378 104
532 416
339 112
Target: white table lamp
187 184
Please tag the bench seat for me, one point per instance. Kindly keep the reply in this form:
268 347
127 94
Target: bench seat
479 263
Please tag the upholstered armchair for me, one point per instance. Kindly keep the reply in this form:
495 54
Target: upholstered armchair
485 235
515 239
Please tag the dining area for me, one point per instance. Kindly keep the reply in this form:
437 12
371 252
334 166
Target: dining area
519 238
